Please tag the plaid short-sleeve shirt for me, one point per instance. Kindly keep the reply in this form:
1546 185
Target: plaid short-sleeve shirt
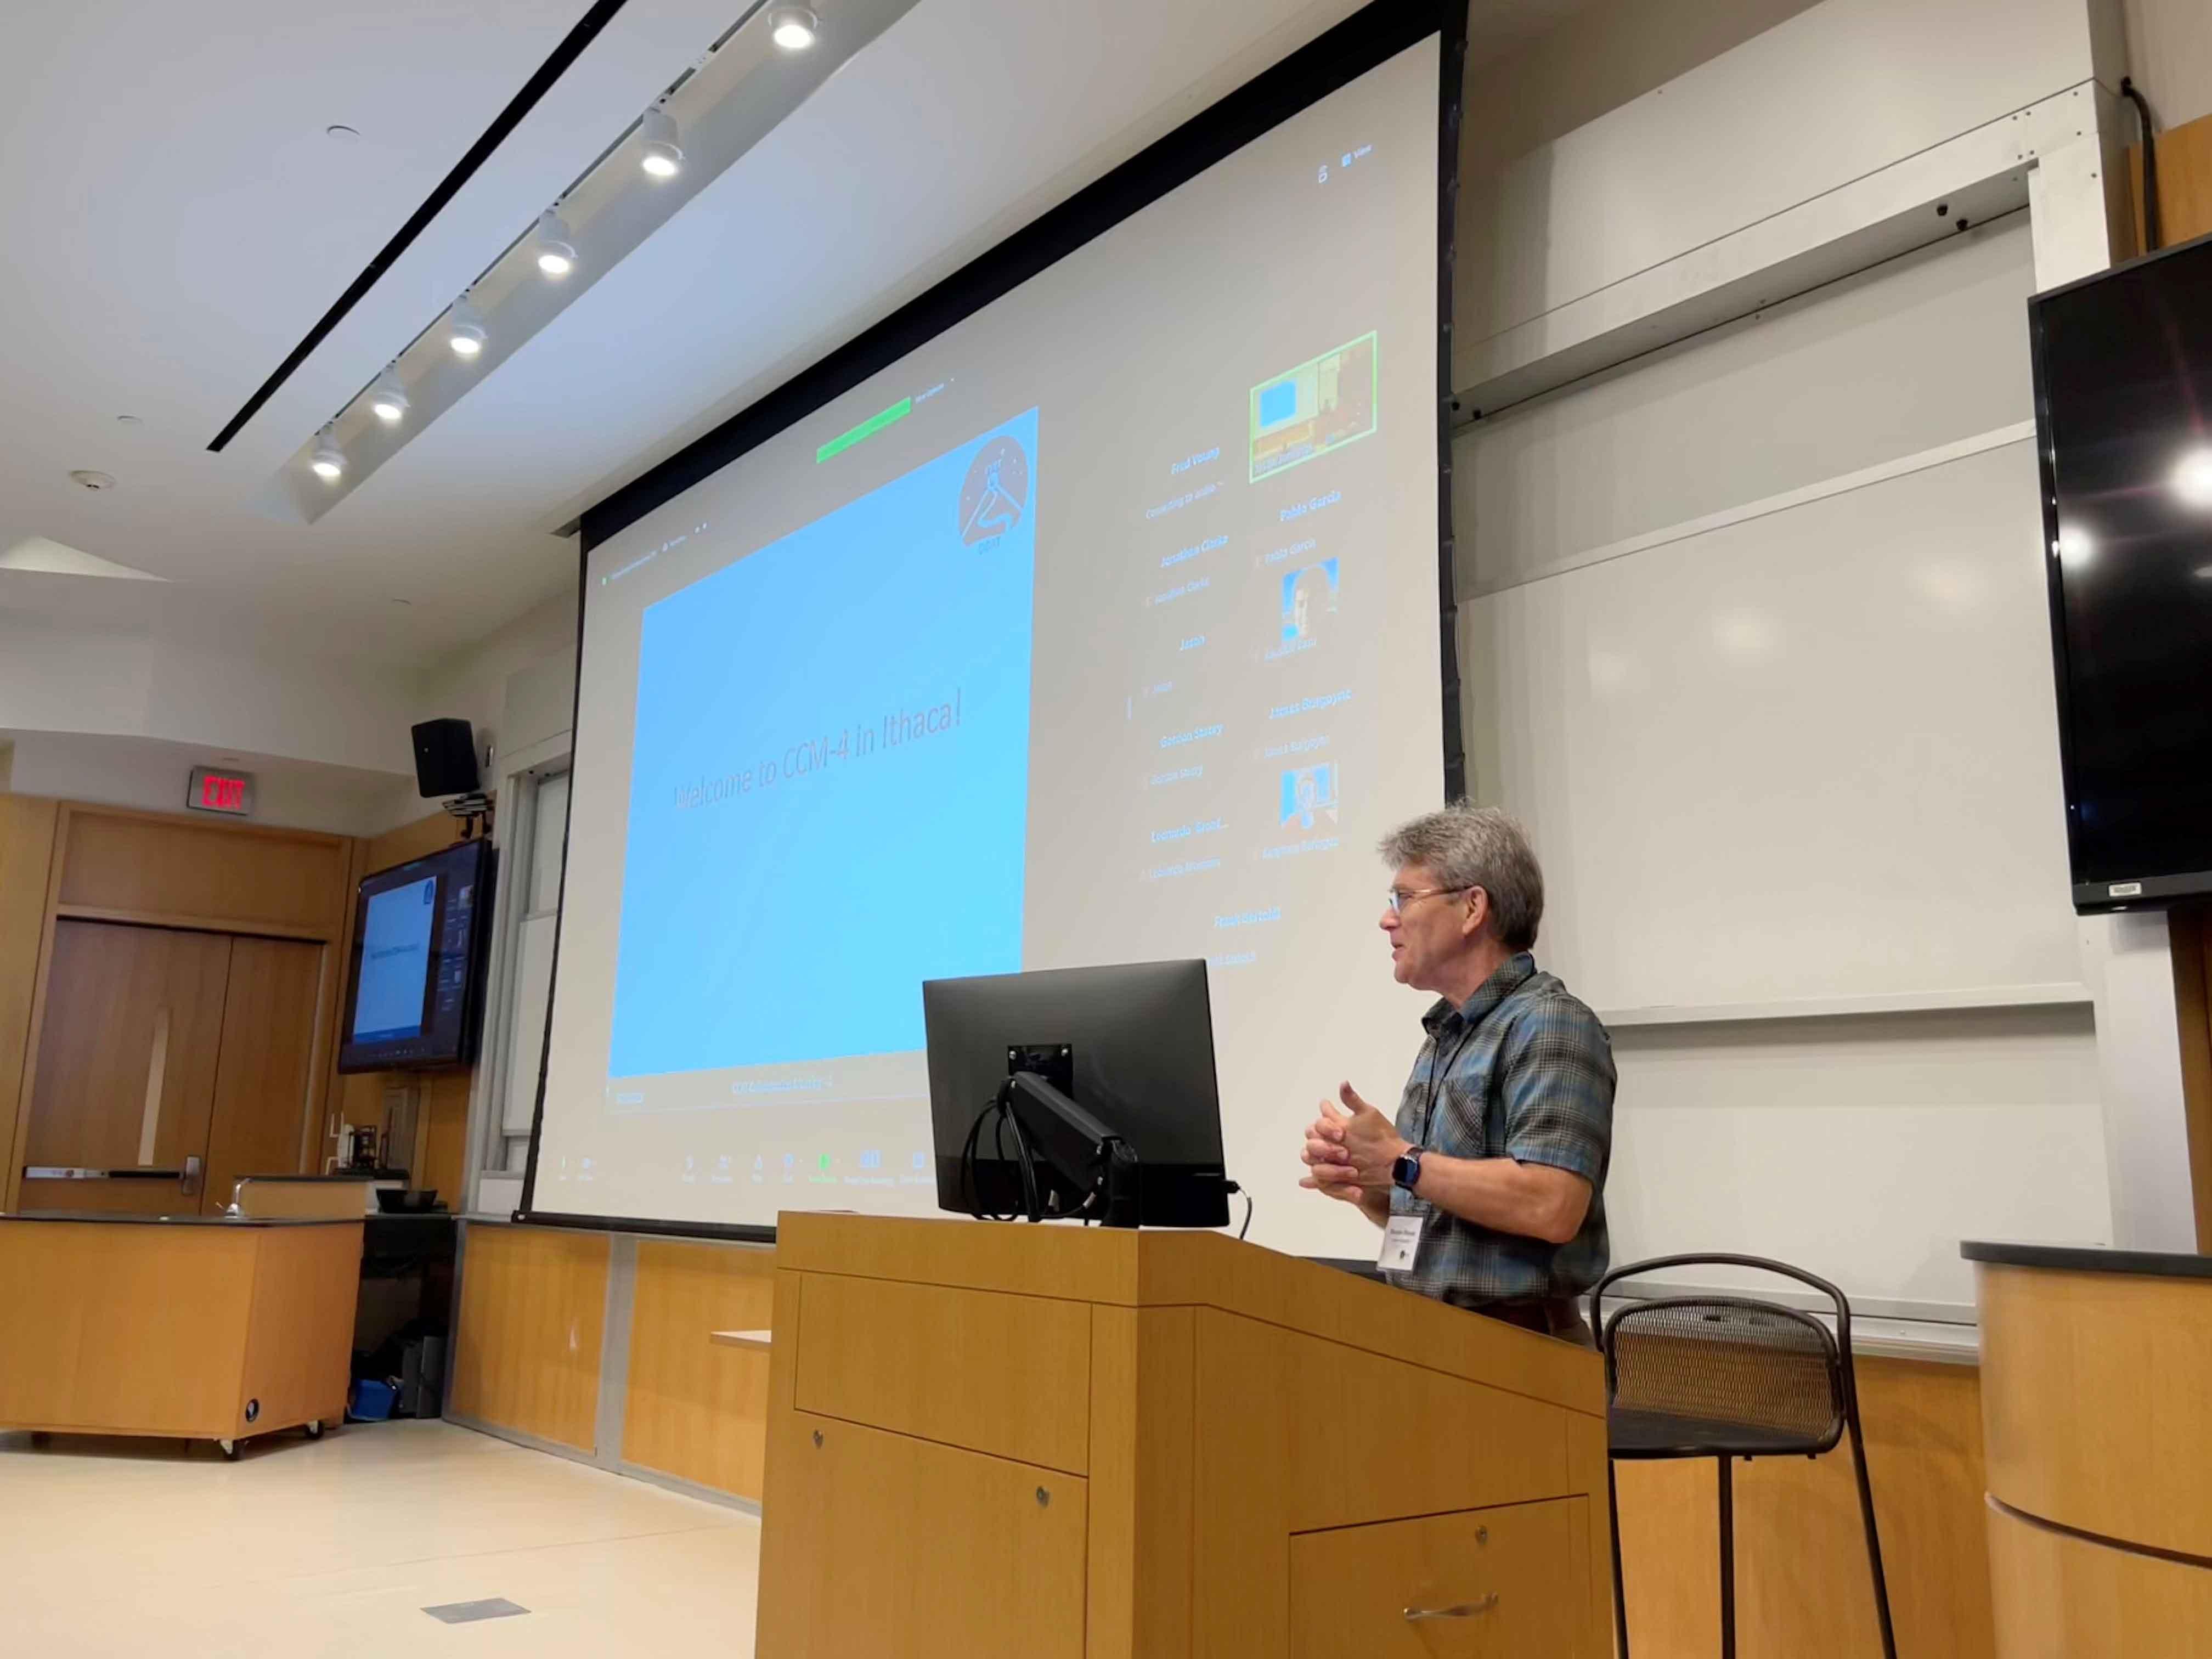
1520 1070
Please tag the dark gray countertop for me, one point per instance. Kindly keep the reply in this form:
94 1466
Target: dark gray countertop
109 1219
343 1175
2088 1259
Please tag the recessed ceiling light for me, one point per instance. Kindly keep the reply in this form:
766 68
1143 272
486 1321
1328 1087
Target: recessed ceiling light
793 27
387 398
87 479
465 330
663 155
340 133
2192 478
328 461
556 254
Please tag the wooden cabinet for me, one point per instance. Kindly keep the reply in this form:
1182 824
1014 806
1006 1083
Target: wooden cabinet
994 1569
2061 1596
1007 1374
198 1329
2099 1427
1480 1585
991 1439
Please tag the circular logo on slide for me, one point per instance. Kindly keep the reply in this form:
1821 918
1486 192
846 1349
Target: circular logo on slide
996 492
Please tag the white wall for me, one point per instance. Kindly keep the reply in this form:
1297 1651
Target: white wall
151 774
1835 93
534 654
1753 628
116 685
472 683
58 675
2170 55
1843 133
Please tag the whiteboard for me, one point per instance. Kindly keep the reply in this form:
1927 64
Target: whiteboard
1755 643
1809 755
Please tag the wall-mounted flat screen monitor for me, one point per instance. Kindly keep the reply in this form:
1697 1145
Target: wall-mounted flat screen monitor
2124 412
416 995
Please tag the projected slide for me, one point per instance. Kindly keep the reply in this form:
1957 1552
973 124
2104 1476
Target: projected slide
832 748
1101 626
395 962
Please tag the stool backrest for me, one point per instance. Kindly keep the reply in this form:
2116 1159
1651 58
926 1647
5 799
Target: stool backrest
1727 1361
1730 1357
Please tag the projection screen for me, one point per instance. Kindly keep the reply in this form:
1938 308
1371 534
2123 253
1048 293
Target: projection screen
1101 626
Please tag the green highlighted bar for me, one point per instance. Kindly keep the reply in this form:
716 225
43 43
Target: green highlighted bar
867 428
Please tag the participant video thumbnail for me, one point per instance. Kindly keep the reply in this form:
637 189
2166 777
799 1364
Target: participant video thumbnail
1322 405
1309 594
1310 795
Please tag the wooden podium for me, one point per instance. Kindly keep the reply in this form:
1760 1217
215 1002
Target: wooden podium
990 1439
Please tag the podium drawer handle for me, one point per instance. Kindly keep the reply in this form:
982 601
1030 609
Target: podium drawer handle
1458 1610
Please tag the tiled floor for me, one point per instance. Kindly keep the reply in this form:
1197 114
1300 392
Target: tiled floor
333 1548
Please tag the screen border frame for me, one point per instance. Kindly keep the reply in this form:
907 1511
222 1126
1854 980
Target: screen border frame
1331 61
2153 892
468 1040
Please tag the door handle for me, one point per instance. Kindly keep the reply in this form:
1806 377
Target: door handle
1460 1610
67 1172
188 1181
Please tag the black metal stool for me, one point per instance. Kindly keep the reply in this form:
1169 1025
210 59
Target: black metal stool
1724 1377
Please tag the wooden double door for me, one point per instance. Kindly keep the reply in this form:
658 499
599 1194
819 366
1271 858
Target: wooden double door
169 1063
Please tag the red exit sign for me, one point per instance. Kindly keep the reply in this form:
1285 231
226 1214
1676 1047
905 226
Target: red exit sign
214 790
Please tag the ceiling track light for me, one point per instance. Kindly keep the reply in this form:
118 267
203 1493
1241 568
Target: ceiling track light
328 461
465 330
2192 477
556 254
794 27
387 398
663 155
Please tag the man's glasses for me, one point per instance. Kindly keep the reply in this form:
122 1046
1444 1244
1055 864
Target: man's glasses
1401 896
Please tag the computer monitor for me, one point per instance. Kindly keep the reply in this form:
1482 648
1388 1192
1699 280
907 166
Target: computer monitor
1109 1071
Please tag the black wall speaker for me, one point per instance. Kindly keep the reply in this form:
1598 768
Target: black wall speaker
446 758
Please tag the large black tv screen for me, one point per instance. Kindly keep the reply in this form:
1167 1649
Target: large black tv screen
416 996
2124 412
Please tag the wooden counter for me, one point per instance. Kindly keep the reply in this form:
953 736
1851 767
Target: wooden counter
196 1328
2097 1420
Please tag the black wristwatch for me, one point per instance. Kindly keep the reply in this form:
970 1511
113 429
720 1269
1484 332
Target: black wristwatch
1406 1168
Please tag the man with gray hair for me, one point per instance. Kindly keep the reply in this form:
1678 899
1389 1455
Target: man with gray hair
1490 1186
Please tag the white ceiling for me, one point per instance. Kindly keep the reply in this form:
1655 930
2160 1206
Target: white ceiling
177 220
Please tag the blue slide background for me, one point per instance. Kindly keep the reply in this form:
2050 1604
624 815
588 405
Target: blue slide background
797 921
395 962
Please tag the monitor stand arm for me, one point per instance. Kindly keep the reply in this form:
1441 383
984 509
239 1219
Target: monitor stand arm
1077 1145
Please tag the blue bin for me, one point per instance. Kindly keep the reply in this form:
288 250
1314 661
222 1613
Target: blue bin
372 1401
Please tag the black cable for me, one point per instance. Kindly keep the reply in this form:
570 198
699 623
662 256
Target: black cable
1031 1203
999 1113
2151 228
1249 1207
968 1178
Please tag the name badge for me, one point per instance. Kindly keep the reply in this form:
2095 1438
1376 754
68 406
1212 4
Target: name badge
1399 1240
